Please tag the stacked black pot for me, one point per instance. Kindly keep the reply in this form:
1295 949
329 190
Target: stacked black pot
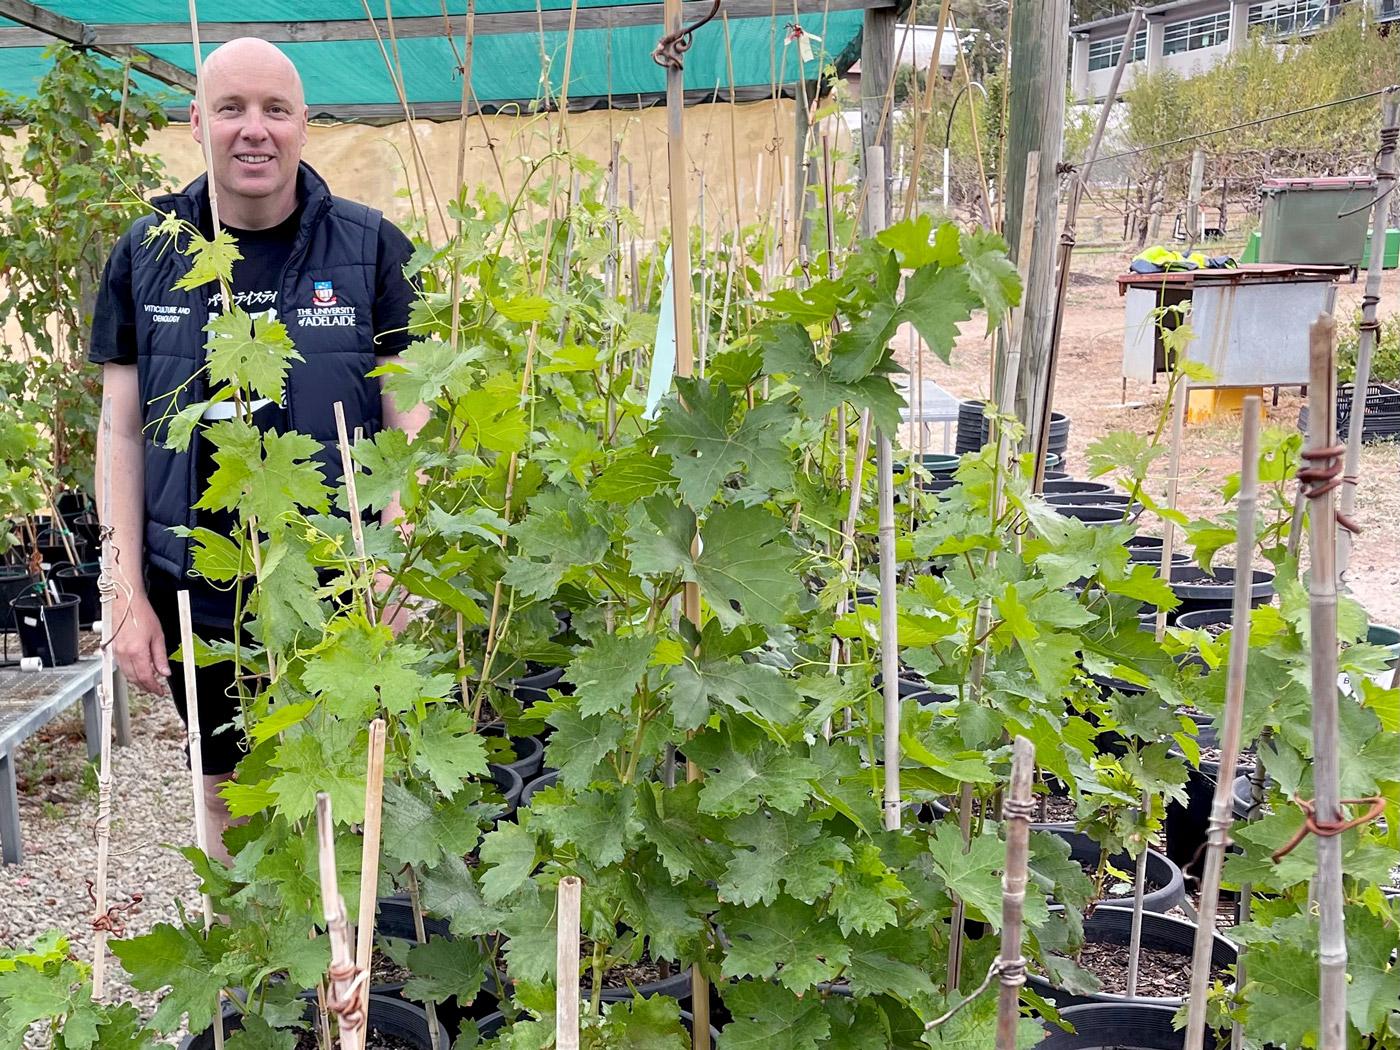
972 429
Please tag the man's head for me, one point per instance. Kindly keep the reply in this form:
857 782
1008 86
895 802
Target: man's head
256 126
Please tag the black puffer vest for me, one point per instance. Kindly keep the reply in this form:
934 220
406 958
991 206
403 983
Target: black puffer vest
326 300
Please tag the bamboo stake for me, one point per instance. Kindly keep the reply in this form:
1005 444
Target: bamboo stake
1183 395
1322 594
107 589
889 631
1370 326
357 524
1042 403
344 977
369 853
420 934
566 993
1139 890
1016 812
195 738
1222 806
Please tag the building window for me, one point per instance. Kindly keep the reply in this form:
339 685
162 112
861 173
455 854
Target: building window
1103 54
1196 33
1288 16
1390 9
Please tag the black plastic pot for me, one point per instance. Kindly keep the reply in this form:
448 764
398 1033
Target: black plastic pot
1074 486
1244 794
491 1026
535 687
546 779
87 528
392 1017
1389 637
1135 1025
529 753
394 918
1116 500
677 986
1186 825
914 689
940 463
81 582
1113 925
49 632
1202 618
1161 872
1213 590
72 503
54 551
1150 556
509 784
1090 515
15 580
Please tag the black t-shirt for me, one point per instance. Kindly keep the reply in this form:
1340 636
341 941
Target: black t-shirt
256 288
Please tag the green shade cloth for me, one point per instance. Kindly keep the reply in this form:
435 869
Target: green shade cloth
507 68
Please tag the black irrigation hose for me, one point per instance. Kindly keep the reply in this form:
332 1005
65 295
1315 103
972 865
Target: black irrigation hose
1249 124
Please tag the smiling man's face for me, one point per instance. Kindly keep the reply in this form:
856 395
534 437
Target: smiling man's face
256 126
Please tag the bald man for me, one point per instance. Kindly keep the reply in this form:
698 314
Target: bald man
330 269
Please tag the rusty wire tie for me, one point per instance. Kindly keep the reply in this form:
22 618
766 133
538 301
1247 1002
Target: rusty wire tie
347 1007
111 920
1325 477
1328 828
670 50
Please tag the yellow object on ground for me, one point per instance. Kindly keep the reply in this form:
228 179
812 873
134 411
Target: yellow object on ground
1206 405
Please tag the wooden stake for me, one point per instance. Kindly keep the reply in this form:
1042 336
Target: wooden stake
344 978
566 992
369 853
1041 396
195 738
357 524
1139 891
107 590
1322 594
889 631
1183 395
1222 805
420 934
1366 338
1016 813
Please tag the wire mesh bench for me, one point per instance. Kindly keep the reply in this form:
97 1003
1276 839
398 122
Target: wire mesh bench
29 700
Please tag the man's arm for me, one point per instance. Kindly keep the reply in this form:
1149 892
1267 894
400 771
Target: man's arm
140 643
410 423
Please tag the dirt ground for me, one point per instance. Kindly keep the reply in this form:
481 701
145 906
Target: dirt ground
1089 388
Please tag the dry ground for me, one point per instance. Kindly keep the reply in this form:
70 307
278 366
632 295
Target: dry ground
1089 388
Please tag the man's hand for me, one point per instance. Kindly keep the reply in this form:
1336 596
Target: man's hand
392 604
140 645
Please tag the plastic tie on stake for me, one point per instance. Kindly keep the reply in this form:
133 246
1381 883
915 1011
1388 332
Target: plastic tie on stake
1329 828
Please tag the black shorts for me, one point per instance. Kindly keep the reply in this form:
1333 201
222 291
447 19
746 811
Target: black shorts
221 744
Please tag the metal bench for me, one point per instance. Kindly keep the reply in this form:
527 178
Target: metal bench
30 700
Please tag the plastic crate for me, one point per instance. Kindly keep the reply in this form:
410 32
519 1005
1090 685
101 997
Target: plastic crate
1318 221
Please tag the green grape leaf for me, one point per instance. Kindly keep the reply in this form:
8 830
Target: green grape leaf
248 352
447 749
211 260
788 350
786 940
445 968
767 1017
422 831
776 851
185 959
390 467
741 779
683 837
865 896
747 688
891 961
747 559
606 676
554 542
990 273
634 474
508 855
217 558
596 822
1284 1003
333 761
936 301
694 430
578 745
975 876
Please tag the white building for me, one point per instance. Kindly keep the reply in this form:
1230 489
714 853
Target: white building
1189 36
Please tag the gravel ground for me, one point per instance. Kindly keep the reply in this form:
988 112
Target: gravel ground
58 809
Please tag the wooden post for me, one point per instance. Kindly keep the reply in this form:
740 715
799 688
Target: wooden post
566 992
1222 806
1183 395
1370 327
344 984
1017 812
369 853
1193 196
1040 42
876 69
1322 594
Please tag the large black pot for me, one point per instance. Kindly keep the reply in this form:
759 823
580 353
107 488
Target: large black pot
81 582
394 918
677 986
15 580
1117 500
1134 1025
1214 590
528 750
1199 619
547 779
392 1017
48 631
511 787
1187 825
1161 872
535 687
1090 515
1164 932
1074 487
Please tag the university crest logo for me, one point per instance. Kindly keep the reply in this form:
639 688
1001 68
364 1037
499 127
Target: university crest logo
322 293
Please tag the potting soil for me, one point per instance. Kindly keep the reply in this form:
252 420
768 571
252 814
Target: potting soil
1161 974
